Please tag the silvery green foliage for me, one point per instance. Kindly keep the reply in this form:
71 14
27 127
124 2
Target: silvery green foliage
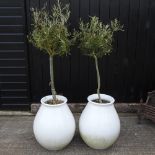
49 30
96 38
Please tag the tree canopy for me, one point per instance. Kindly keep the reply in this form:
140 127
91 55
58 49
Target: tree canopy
96 38
49 30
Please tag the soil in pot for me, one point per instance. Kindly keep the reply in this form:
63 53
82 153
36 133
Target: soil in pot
51 102
103 101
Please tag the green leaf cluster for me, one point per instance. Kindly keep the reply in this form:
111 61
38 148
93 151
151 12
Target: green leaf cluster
95 38
49 30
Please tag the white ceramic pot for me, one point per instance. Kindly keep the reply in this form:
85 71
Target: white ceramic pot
99 124
54 125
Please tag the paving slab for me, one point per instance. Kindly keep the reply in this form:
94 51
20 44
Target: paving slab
16 138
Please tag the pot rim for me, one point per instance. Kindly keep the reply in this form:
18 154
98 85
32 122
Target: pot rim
103 96
46 98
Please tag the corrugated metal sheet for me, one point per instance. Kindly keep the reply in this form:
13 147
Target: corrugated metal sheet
13 58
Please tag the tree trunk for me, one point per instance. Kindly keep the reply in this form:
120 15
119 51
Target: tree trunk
52 79
98 79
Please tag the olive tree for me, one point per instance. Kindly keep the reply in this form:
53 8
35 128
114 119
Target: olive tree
95 40
50 34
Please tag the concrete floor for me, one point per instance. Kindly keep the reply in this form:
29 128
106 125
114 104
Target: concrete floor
16 138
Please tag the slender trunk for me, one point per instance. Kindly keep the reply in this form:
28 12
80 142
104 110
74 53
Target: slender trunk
98 79
52 79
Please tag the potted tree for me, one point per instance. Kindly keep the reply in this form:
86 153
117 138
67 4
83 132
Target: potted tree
99 124
54 124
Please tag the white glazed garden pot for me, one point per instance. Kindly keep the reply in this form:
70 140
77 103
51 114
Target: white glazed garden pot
54 125
99 124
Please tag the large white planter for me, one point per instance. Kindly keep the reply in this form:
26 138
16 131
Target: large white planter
99 124
54 125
